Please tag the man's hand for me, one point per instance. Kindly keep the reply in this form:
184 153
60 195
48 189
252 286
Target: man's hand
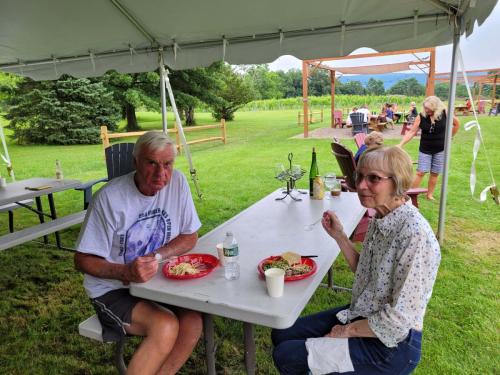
142 269
339 331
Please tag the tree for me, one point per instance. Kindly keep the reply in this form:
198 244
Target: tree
409 87
235 92
352 88
375 87
291 83
66 111
267 84
131 91
319 82
193 86
8 83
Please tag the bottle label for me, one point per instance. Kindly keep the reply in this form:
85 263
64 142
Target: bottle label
231 251
318 189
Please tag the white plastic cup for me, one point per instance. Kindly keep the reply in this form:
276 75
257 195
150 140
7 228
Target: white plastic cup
3 182
275 281
220 254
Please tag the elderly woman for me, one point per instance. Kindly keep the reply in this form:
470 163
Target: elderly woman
380 331
432 122
374 139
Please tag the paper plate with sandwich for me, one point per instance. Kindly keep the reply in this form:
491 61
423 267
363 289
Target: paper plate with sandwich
296 267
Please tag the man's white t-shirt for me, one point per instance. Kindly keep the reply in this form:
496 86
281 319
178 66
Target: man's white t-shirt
123 224
365 112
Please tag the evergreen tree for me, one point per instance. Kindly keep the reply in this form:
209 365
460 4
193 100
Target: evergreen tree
66 111
235 93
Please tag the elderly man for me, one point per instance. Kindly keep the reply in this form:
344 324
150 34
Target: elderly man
132 218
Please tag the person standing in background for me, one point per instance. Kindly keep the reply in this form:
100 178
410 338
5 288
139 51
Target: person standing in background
432 123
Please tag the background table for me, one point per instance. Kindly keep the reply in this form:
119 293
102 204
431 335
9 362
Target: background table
266 228
16 192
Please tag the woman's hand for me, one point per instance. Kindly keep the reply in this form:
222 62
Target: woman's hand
339 331
332 225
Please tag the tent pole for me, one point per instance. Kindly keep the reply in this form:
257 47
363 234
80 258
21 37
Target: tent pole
305 109
449 124
192 171
162 94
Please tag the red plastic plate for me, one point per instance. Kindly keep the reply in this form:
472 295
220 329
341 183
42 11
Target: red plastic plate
207 264
311 263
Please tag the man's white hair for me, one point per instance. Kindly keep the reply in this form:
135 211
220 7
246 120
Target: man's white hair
153 140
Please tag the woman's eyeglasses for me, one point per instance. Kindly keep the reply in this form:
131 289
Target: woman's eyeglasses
433 126
370 178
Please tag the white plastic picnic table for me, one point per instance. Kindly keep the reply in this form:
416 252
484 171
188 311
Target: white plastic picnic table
266 228
16 192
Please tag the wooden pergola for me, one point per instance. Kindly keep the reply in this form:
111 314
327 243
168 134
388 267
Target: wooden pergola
307 65
479 78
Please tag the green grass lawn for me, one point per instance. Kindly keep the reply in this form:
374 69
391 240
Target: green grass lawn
42 299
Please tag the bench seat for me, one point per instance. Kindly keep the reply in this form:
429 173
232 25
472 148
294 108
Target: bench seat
31 233
91 328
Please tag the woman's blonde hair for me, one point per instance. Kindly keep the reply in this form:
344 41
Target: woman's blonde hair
391 160
436 105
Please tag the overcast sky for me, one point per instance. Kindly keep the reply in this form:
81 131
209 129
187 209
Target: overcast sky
480 51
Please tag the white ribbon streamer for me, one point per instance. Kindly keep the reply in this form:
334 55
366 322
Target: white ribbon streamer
224 45
474 124
92 60
175 47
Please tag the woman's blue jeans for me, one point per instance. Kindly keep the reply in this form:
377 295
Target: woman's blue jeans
369 356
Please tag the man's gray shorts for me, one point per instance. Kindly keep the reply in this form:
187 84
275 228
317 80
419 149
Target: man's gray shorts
431 162
114 310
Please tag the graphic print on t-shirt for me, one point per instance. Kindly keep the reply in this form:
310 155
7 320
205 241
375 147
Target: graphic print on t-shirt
149 232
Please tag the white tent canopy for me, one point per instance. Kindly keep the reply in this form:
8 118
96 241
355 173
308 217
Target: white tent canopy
43 39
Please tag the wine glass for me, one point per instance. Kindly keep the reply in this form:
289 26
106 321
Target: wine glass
332 184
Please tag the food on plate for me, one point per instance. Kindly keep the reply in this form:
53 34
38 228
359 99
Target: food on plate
184 268
291 257
294 269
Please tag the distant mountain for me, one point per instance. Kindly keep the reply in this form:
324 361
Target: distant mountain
389 79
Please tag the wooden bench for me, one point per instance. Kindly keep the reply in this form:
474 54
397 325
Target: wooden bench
92 329
31 233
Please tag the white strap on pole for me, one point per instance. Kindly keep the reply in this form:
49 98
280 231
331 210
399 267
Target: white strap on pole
474 124
6 157
192 171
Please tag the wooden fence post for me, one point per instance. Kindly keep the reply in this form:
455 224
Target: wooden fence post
104 136
223 125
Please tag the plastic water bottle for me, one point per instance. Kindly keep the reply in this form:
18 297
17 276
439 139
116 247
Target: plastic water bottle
232 267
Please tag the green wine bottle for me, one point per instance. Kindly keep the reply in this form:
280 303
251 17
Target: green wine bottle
313 172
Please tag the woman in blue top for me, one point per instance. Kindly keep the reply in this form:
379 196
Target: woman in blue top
432 122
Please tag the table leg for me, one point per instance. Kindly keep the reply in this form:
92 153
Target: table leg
248 331
330 278
53 215
208 334
39 207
